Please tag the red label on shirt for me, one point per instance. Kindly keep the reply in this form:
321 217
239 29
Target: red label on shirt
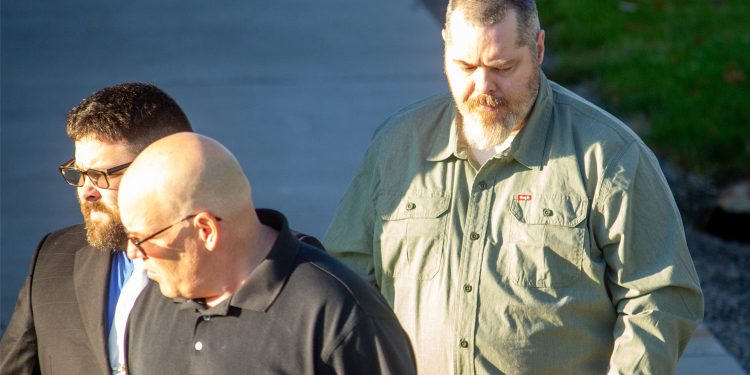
524 197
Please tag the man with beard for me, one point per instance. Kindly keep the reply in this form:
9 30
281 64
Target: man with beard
71 311
513 226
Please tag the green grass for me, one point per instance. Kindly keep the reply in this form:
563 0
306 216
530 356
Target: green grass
685 65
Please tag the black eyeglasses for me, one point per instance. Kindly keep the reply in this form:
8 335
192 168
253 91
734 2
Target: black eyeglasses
137 243
76 177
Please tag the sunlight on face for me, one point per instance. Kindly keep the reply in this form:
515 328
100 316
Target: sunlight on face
104 228
494 80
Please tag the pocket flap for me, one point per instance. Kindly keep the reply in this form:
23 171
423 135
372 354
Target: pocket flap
550 209
399 207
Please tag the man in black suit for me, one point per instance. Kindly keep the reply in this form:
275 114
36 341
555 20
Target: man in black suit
71 310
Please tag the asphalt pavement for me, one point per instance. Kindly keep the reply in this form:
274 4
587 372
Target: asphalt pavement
294 88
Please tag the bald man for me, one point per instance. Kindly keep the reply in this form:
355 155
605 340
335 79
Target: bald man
243 294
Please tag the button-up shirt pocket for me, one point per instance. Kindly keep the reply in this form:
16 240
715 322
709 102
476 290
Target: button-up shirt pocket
545 248
411 234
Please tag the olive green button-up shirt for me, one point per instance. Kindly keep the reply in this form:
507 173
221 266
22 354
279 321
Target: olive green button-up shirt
565 254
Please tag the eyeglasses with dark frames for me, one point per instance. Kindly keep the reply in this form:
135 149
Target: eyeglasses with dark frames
137 243
76 177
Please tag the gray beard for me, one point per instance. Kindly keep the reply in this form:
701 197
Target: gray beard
485 132
483 136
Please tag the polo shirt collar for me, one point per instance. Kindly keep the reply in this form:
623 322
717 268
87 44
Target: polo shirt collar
265 283
527 147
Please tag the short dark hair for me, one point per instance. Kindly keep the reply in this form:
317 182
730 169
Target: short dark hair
489 12
137 113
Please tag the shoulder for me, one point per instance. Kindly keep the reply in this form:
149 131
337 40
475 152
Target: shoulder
59 252
596 129
72 236
619 152
63 241
417 118
328 281
590 118
408 135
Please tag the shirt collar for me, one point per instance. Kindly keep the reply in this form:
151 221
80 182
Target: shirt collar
445 144
265 283
527 147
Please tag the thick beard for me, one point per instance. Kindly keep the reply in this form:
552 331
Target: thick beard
107 235
484 129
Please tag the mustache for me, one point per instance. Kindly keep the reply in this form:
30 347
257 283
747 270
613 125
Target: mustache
88 207
486 100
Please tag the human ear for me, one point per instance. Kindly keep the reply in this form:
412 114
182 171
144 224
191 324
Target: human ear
540 47
208 230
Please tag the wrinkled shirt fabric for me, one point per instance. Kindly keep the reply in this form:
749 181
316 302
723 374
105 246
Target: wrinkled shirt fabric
564 254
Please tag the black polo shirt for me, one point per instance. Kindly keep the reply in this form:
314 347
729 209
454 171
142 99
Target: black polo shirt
299 312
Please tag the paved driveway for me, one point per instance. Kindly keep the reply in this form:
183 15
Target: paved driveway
294 89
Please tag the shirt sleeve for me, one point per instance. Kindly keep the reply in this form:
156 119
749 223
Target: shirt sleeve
18 347
373 346
650 274
350 235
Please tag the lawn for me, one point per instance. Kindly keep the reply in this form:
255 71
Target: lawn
678 68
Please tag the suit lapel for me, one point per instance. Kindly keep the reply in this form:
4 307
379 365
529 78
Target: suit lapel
91 275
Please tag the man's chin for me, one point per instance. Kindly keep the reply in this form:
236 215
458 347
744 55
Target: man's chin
102 246
484 133
104 238
99 217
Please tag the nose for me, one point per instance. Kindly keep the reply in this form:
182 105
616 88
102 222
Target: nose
88 191
483 81
133 252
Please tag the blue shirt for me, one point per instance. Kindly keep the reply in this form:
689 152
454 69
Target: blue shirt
120 270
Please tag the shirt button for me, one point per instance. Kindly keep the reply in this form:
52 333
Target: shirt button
467 288
474 236
547 212
463 343
198 346
410 206
207 317
482 185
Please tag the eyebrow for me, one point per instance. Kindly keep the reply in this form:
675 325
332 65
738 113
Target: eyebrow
491 64
137 235
501 63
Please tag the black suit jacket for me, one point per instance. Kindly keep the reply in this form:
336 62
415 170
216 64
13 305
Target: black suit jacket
58 324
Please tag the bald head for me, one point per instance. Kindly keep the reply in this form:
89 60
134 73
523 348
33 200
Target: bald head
179 175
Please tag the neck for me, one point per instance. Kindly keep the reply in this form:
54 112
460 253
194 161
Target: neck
244 262
213 301
480 156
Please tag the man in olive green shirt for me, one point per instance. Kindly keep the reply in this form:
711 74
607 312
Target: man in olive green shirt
514 227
